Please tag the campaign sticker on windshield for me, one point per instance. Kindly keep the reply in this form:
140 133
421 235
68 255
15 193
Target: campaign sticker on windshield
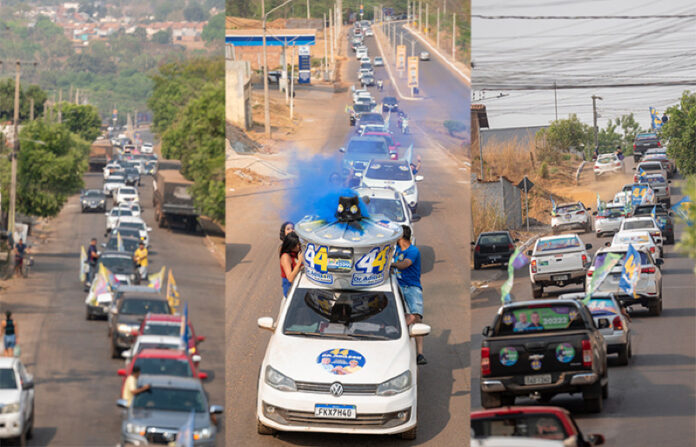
542 318
634 238
508 356
601 306
565 352
558 243
341 361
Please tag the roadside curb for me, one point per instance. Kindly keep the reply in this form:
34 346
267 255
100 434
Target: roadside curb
437 51
213 248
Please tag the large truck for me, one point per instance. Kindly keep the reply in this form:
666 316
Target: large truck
172 200
99 155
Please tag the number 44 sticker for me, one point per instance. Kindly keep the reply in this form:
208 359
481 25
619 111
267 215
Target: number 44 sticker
374 261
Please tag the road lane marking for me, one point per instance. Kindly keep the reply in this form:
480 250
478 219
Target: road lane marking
447 61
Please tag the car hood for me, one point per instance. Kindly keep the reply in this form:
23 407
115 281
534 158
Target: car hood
130 319
400 186
167 419
9 396
297 357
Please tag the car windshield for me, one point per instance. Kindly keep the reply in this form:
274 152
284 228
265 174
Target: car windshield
371 118
8 380
138 225
540 318
494 239
613 212
126 191
171 399
121 212
389 209
530 425
357 147
360 108
114 179
569 208
164 367
93 193
140 347
158 328
389 171
343 314
131 171
655 166
638 224
604 159
389 100
646 136
558 243
142 306
654 179
127 232
599 259
129 244
117 263
648 210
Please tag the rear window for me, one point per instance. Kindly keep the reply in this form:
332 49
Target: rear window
368 147
600 257
558 243
602 306
164 367
494 239
655 166
531 425
625 239
638 225
569 208
646 136
606 159
612 212
389 171
540 318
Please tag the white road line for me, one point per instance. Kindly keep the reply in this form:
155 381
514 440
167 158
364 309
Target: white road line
467 79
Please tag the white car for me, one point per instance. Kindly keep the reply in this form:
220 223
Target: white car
362 93
365 59
138 224
340 361
16 400
133 206
622 198
424 56
369 32
379 62
571 215
114 214
608 164
610 220
174 343
126 194
644 223
395 174
113 183
361 52
365 72
638 238
558 261
649 287
388 204
110 168
146 148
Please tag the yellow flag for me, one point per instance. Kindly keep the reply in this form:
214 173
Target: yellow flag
172 291
157 279
83 264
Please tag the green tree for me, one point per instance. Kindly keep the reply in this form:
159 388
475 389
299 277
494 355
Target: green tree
25 96
194 12
163 37
681 132
688 238
82 120
566 133
214 29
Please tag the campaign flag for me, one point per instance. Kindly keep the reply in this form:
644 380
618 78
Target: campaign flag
408 155
681 209
600 205
119 242
600 273
184 326
84 266
630 275
553 206
653 213
655 120
100 286
157 279
172 291
110 277
517 260
649 196
641 174
185 436
641 194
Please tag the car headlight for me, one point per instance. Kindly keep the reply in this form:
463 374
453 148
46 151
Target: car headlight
411 190
397 385
136 429
10 408
204 433
126 328
101 202
278 380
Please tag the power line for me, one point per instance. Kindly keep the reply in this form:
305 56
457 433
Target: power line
585 86
620 17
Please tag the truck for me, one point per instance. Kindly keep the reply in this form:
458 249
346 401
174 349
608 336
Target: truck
99 154
542 348
172 200
558 261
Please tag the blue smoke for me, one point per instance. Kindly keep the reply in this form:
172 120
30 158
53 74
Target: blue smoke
313 192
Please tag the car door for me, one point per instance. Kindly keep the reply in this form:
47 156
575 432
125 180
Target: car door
27 395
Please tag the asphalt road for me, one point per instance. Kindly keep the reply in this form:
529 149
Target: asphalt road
651 401
76 381
253 290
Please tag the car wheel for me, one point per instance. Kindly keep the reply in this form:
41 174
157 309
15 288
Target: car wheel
490 400
263 430
88 315
624 355
115 352
537 291
605 391
592 398
545 398
409 435
30 428
656 309
477 265
507 401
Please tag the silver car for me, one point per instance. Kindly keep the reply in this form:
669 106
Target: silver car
388 204
609 221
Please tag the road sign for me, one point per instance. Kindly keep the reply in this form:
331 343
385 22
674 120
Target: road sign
401 57
413 72
305 73
525 184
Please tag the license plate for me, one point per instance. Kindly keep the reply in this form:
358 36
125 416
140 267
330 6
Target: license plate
494 258
541 379
567 217
560 277
334 411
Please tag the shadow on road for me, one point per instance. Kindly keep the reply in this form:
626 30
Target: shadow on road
235 253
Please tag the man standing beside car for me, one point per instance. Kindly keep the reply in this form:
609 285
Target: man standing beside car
92 259
407 262
130 387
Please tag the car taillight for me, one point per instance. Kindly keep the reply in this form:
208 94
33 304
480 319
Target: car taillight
634 145
579 212
652 249
485 361
655 234
511 247
534 266
659 144
617 163
477 249
586 354
617 323
667 190
647 270
584 259
590 272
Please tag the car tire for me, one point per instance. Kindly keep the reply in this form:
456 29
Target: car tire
656 309
507 401
537 291
545 398
592 398
88 315
491 400
30 429
605 391
115 352
624 354
263 430
409 435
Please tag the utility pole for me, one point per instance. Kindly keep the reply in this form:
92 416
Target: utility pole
326 51
332 23
266 99
60 106
401 38
555 99
420 15
292 83
77 96
437 39
308 11
444 7
594 118
427 20
454 35
413 47
15 153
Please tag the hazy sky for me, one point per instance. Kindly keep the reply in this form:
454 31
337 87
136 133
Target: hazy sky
516 52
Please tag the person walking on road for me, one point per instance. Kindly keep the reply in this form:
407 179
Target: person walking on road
407 262
140 259
290 261
20 252
130 387
9 331
92 259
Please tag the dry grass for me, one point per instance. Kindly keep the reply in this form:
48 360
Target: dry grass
485 217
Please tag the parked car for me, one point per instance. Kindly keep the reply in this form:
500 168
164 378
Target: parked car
493 247
16 401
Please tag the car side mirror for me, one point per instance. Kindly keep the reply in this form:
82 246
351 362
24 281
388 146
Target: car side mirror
633 168
419 178
594 213
529 252
595 439
415 218
196 358
659 262
342 149
203 376
28 384
486 331
669 181
607 244
122 372
106 214
126 354
588 246
149 228
200 338
216 409
418 329
122 403
266 323
473 243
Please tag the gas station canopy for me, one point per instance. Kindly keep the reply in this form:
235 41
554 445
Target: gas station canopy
274 37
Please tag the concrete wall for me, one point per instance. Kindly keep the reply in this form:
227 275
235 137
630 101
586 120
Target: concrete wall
502 195
238 93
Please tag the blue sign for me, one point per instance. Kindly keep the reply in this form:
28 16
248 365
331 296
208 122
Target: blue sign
341 361
256 40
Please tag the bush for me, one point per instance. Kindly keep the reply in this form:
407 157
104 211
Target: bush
544 170
485 217
454 126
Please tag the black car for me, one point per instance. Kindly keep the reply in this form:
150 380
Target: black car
93 200
132 177
130 244
663 217
390 103
493 248
643 142
126 314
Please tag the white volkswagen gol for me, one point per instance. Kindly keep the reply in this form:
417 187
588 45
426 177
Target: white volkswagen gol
340 361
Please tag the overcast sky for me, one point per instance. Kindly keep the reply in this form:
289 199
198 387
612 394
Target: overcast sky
517 52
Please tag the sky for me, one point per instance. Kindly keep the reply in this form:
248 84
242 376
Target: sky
509 53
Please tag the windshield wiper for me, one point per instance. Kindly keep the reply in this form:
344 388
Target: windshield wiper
319 334
370 336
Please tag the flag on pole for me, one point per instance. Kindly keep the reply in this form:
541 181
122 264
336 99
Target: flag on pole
631 271
185 436
157 279
84 266
600 273
553 206
653 213
649 196
119 243
517 261
681 209
600 205
408 155
172 291
641 174
184 326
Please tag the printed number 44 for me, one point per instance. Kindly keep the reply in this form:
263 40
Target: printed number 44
374 261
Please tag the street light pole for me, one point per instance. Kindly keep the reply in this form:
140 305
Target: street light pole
594 117
437 39
15 152
308 17
454 35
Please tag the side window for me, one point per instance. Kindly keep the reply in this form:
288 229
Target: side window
589 321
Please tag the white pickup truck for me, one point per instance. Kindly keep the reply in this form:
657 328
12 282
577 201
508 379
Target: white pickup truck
558 261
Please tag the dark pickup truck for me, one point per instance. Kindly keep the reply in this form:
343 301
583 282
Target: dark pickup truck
663 217
643 142
542 348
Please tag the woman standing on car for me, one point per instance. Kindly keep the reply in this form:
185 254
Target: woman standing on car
9 330
290 261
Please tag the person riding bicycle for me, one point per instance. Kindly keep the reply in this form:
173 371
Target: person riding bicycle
404 125
140 259
20 252
380 85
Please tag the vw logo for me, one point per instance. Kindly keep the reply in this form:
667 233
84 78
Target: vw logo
336 389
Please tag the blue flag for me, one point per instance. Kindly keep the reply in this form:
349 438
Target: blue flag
553 206
185 436
630 275
653 213
641 174
681 209
184 326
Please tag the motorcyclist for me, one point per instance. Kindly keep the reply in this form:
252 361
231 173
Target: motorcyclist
92 260
380 85
404 125
140 259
